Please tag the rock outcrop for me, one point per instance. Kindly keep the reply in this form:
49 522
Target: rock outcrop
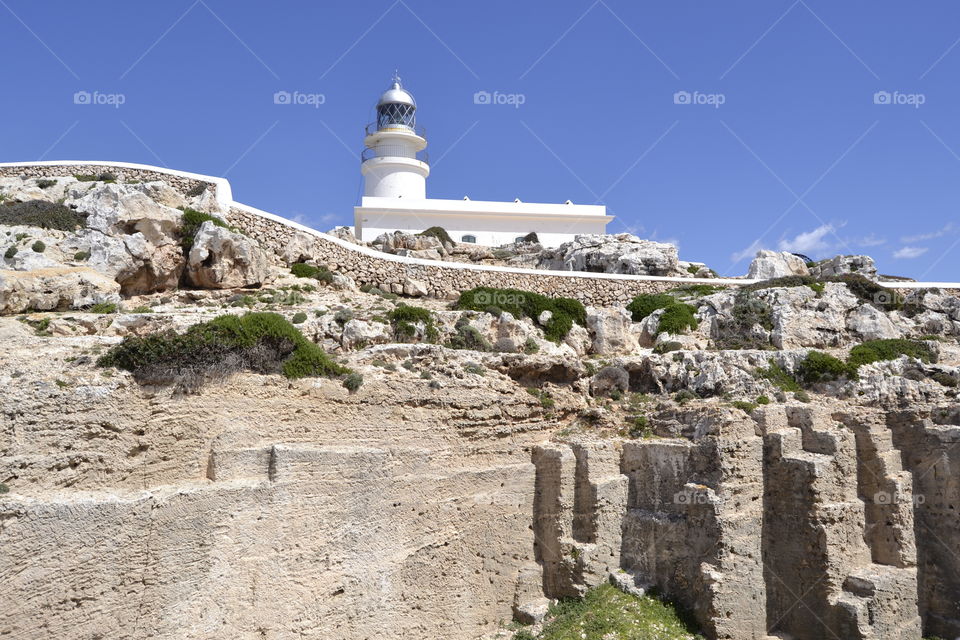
223 259
776 264
620 253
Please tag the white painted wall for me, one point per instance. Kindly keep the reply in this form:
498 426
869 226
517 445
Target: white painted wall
492 223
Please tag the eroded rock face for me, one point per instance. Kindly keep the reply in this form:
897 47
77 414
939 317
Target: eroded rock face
399 242
776 264
223 259
845 265
620 253
55 289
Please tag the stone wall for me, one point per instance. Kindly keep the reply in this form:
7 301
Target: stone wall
180 183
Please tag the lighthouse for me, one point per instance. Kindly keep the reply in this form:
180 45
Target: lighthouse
394 167
394 164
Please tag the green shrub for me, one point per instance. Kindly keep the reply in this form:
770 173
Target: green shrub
607 612
386 295
878 350
746 407
531 346
352 382
38 247
45 183
801 396
343 316
304 270
646 303
677 318
439 233
782 282
667 347
821 367
475 369
945 379
640 427
197 190
4 488
43 214
10 253
682 397
403 319
191 223
565 311
81 256
260 342
142 309
468 337
778 376
104 308
763 400
299 318
748 311
697 290
95 177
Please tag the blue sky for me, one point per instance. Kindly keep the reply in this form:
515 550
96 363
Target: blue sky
815 126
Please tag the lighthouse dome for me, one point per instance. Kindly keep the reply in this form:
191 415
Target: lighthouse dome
396 94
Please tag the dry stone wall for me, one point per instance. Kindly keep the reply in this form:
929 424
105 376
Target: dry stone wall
123 174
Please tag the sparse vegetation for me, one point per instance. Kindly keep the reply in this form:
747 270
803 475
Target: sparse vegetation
352 382
468 337
743 405
260 342
606 612
563 311
779 377
43 214
439 233
821 367
191 223
304 270
404 320
197 190
95 177
104 308
81 256
879 350
531 346
45 183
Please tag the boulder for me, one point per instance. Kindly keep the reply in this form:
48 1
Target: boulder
611 331
843 265
224 259
299 248
394 242
118 209
872 324
776 264
414 288
360 333
162 193
620 253
345 234
55 289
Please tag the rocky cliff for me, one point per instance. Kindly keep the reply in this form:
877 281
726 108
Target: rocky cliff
777 459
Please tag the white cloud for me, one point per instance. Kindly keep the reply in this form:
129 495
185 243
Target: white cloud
749 252
871 241
811 242
909 252
939 233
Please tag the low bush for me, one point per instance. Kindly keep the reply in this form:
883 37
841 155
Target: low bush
81 256
260 342
352 382
468 337
439 233
38 246
404 318
646 303
779 377
822 367
743 405
304 270
43 214
678 318
748 311
696 290
10 253
191 223
197 190
667 347
104 308
564 311
96 177
45 183
299 318
879 350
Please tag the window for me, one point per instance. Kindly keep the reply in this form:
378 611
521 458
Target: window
469 238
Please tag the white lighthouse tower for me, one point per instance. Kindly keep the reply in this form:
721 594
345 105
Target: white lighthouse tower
395 170
394 164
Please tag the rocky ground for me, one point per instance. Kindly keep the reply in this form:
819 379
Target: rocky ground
777 458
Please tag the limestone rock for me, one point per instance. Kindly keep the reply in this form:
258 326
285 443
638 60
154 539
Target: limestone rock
414 288
620 253
844 265
610 330
223 259
358 333
776 264
398 240
55 289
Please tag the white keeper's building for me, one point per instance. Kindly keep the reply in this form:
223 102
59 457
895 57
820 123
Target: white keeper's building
395 169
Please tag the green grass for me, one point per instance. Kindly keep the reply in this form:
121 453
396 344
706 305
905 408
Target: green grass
606 613
565 311
191 222
261 342
43 214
